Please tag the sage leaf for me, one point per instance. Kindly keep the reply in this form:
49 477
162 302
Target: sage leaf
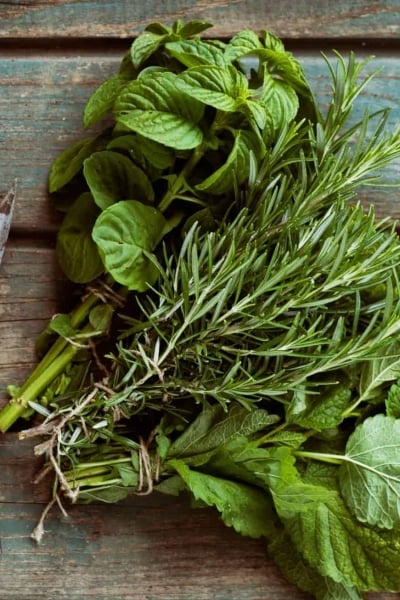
112 176
221 87
155 108
247 509
125 233
76 251
370 475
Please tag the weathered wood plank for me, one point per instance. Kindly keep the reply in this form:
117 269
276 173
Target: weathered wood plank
42 101
312 19
143 548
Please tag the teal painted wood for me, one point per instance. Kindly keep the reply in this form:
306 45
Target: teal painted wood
43 96
125 18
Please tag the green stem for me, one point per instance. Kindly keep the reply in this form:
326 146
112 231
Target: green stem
37 383
180 181
334 459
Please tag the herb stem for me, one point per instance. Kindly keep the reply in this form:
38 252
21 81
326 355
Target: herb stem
180 182
334 459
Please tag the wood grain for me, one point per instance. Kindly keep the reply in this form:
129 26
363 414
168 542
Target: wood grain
48 91
106 18
53 53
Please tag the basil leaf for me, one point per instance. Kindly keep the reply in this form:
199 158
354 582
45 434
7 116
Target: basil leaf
193 53
112 177
370 475
236 168
124 233
76 251
221 87
247 509
155 108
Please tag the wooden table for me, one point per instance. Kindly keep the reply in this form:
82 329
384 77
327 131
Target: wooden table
52 54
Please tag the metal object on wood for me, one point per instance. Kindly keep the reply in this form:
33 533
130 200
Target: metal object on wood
6 214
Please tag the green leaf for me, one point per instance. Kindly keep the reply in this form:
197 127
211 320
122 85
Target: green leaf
101 101
393 401
370 475
214 427
282 64
154 107
235 170
194 27
221 87
61 324
125 233
145 45
322 407
246 509
70 162
100 317
193 53
280 99
242 44
76 251
300 573
112 177
380 371
341 548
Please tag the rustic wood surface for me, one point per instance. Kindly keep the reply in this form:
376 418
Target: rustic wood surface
305 19
53 53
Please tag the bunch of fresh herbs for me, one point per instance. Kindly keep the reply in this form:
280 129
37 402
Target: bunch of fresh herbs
238 339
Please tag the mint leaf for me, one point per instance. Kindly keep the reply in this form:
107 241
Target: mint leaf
221 87
300 573
111 176
370 475
155 108
76 251
322 407
194 27
344 550
242 44
393 401
235 170
378 372
124 233
145 45
280 99
214 427
70 162
195 52
247 509
101 101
